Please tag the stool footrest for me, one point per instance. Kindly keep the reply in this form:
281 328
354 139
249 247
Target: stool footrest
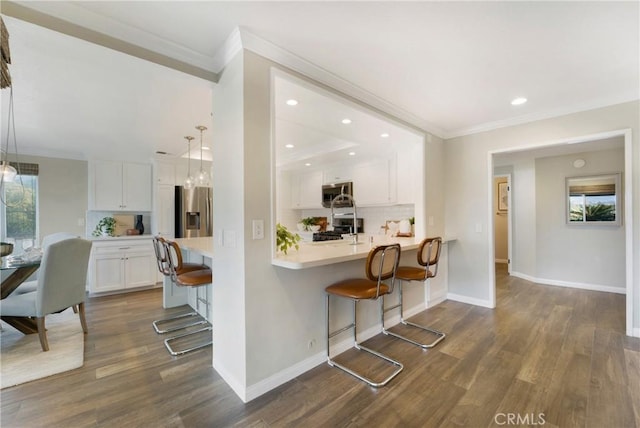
440 335
168 343
360 376
157 324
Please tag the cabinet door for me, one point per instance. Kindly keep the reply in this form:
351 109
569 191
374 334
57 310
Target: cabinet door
136 187
166 210
306 190
372 183
107 186
165 173
108 272
140 269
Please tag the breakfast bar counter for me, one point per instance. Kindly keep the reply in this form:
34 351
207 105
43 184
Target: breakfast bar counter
313 254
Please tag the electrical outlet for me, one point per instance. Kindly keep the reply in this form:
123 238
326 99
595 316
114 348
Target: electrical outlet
258 229
311 343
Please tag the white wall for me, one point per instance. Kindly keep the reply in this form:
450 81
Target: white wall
62 194
467 189
591 255
228 305
263 316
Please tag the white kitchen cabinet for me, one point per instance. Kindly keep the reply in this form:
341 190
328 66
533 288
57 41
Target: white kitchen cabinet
337 174
374 183
165 173
118 265
165 210
119 186
306 190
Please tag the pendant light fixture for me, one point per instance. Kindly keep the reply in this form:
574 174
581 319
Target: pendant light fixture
203 177
189 182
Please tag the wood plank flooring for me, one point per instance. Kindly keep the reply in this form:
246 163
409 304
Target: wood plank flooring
546 356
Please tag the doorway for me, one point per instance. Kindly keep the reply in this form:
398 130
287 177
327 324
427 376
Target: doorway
502 219
527 172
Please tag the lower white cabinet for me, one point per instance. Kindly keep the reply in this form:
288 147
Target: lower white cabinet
117 265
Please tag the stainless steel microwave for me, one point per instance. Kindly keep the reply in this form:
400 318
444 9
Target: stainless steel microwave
330 191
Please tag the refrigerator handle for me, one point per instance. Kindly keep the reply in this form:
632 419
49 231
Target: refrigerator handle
209 219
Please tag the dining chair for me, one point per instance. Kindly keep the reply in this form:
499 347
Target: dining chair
61 284
428 259
380 272
29 286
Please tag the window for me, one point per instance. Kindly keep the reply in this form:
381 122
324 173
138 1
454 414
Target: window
19 223
594 199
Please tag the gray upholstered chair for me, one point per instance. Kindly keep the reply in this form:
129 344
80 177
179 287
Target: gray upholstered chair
29 286
61 284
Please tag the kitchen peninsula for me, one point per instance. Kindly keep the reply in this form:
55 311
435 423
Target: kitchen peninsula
313 254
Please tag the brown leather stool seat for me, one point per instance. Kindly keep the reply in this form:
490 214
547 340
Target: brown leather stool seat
381 265
194 278
428 258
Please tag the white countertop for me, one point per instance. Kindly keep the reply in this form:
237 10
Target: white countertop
312 254
119 238
202 246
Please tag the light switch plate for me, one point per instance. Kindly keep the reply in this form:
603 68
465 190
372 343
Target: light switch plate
258 229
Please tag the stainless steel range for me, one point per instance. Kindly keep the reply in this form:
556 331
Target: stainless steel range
327 236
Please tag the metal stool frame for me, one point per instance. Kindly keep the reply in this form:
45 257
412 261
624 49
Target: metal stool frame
426 262
161 259
381 275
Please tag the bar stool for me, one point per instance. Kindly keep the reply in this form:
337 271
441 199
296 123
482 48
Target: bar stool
195 278
381 265
163 267
428 257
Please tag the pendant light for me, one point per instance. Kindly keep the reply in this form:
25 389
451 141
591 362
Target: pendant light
189 182
203 177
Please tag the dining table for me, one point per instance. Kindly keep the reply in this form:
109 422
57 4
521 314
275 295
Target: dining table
22 269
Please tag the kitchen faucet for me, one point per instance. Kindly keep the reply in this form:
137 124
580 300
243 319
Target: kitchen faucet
354 226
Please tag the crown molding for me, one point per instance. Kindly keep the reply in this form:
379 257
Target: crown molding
294 62
60 17
533 117
231 46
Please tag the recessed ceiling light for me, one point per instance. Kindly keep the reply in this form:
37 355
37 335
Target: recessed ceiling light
289 146
352 153
292 102
346 121
384 135
518 101
307 164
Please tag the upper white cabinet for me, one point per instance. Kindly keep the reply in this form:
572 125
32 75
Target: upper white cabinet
165 173
374 182
306 190
337 174
119 186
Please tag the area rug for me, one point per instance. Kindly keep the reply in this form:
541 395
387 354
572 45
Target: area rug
21 356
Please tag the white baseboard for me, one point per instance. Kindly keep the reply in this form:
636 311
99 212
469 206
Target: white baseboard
237 386
257 389
579 285
470 300
636 332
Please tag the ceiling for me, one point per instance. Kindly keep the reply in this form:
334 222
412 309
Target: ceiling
449 68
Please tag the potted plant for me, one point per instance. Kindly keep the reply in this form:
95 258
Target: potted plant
308 224
286 239
105 227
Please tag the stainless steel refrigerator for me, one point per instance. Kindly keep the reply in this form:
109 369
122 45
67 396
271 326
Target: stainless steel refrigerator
194 212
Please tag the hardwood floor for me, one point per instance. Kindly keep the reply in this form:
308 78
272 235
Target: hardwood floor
546 356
